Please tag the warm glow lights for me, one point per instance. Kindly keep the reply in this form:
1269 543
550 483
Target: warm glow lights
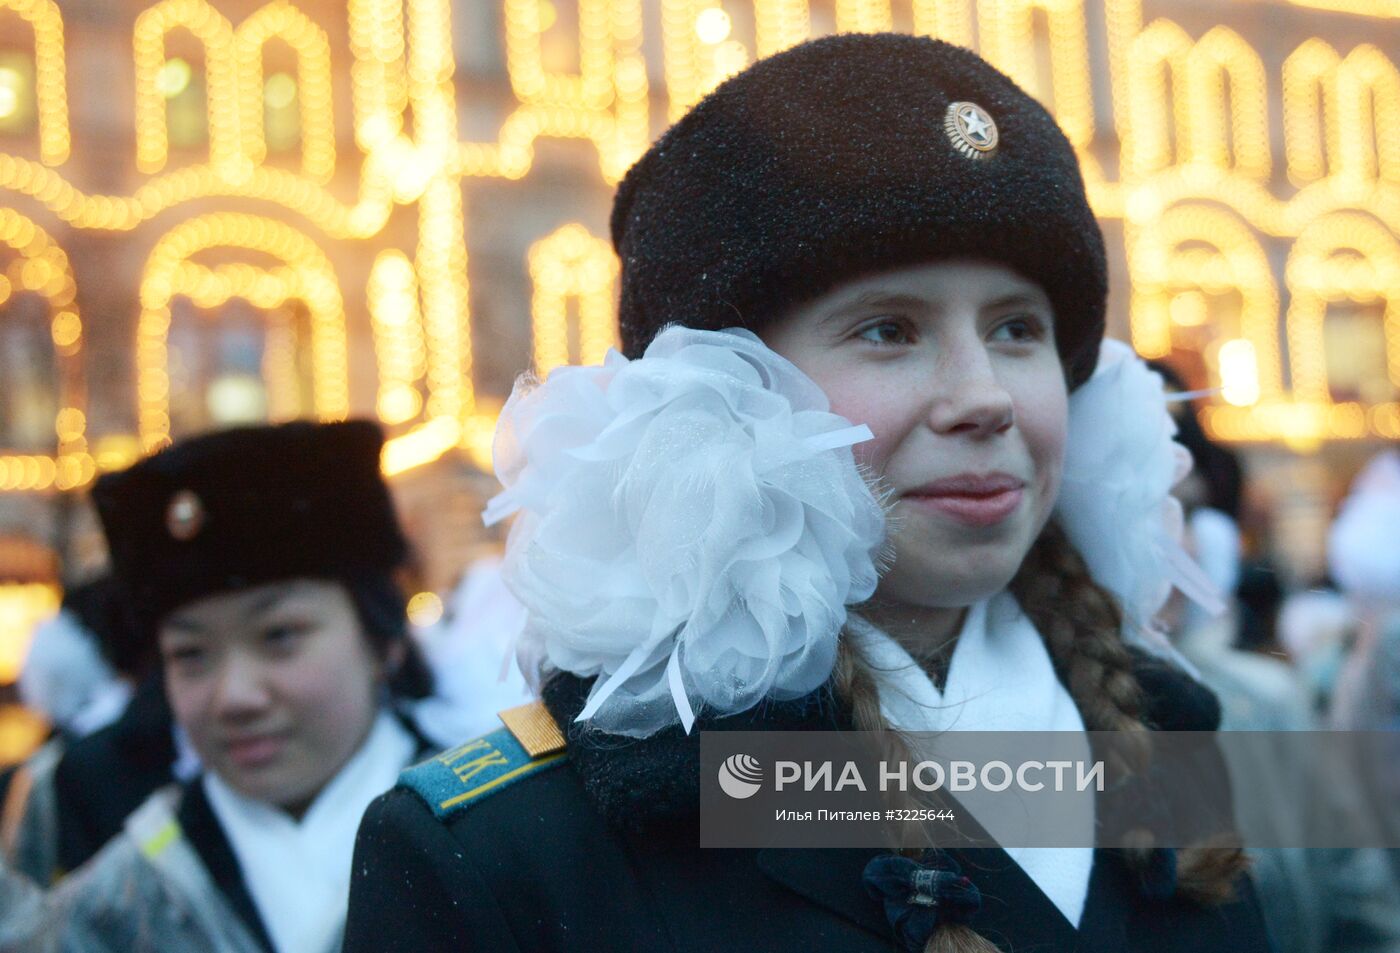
572 265
606 101
863 16
1167 67
1239 373
398 336
306 276
40 267
694 65
779 24
50 73
378 78
425 609
1343 256
713 26
22 607
10 87
148 44
1195 187
1199 248
235 84
1197 140
949 20
285 22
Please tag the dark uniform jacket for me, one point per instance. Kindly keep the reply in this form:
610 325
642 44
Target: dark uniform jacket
104 777
596 849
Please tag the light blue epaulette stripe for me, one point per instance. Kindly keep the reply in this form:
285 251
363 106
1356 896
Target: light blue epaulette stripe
450 781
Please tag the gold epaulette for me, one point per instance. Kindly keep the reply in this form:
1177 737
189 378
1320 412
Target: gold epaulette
534 727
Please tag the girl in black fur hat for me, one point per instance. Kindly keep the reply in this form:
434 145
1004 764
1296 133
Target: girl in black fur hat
862 314
259 566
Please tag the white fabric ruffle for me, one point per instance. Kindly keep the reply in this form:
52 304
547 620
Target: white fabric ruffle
1115 502
692 526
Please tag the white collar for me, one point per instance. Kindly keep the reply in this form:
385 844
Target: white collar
1000 679
298 872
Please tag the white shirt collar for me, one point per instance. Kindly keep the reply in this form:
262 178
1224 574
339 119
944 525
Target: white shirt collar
1000 678
298 872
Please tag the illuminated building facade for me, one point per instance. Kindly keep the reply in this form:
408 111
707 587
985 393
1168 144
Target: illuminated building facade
218 210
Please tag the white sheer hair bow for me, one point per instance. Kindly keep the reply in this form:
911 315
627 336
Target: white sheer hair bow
1116 504
692 526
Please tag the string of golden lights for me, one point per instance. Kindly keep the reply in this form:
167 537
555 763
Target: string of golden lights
572 265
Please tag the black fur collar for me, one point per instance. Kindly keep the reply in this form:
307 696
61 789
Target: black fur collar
642 784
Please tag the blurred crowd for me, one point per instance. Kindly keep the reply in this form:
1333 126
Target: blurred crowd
1321 656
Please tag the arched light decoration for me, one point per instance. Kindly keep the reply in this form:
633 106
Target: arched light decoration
572 265
40 267
306 275
50 74
285 22
1223 255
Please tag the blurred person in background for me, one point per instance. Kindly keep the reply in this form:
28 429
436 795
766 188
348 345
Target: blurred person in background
1315 900
78 675
1317 628
470 651
1363 554
1257 692
260 565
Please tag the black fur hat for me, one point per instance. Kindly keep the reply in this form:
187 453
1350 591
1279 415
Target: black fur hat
248 506
845 156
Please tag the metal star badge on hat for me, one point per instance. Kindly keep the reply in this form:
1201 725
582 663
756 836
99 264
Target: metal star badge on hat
971 129
184 515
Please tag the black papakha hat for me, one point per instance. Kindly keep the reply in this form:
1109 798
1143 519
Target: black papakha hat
247 506
846 156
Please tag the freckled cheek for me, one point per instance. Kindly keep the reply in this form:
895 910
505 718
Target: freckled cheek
860 409
872 456
1046 429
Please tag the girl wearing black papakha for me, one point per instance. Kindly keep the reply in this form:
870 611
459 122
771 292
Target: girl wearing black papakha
875 242
260 563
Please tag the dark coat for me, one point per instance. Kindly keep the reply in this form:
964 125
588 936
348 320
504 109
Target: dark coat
598 852
104 777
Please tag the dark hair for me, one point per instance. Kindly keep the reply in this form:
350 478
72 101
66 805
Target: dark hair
382 608
103 609
1218 466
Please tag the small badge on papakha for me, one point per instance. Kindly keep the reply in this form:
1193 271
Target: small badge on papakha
971 129
184 516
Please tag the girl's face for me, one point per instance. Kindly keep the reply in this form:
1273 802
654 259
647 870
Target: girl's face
954 368
277 686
